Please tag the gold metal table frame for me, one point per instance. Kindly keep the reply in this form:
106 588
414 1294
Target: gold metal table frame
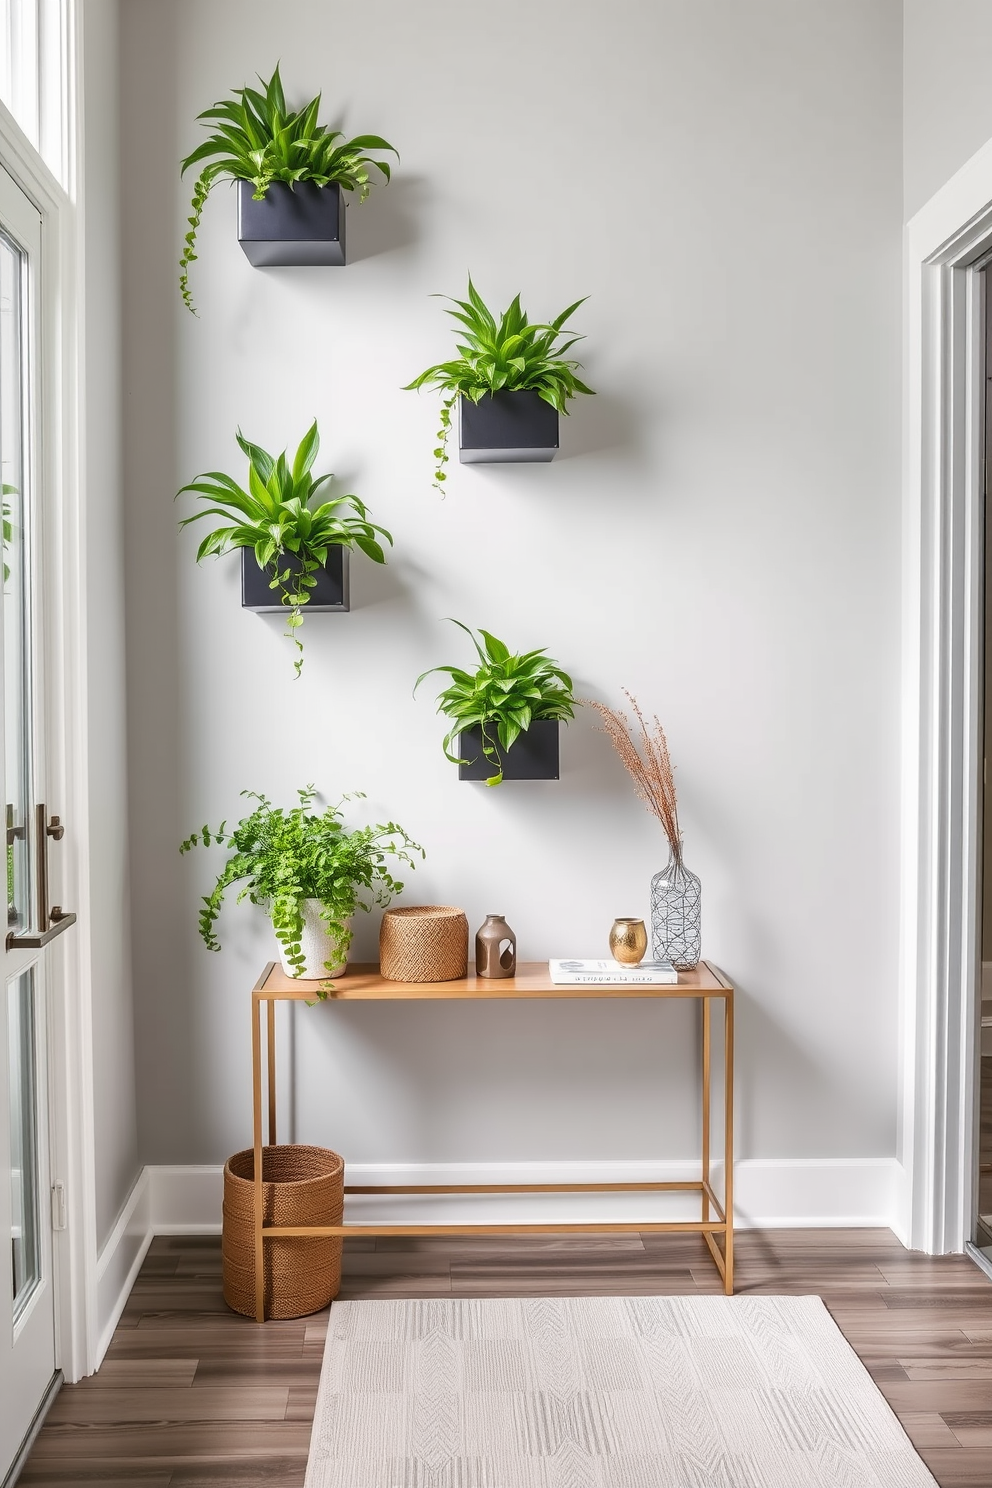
532 982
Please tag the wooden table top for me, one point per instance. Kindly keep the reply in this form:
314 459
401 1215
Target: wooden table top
362 982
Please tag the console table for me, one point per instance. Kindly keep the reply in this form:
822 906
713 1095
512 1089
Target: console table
362 982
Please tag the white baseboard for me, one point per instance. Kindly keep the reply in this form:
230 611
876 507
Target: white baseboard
186 1200
120 1261
770 1193
163 1201
776 1193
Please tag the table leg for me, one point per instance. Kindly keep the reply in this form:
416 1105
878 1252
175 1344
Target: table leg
271 1049
728 1143
256 1067
706 1107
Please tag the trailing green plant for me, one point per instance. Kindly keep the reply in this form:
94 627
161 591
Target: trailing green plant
274 517
503 696
257 139
508 353
284 858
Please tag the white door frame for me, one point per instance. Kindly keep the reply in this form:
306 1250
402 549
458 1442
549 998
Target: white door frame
70 1043
947 244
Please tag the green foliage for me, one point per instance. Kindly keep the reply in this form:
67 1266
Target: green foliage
286 857
7 526
506 354
503 696
257 139
274 518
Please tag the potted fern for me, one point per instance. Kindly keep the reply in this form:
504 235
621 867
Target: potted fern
504 714
293 554
291 173
309 872
511 380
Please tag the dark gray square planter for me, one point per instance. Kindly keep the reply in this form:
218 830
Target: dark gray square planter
330 593
533 757
292 225
507 428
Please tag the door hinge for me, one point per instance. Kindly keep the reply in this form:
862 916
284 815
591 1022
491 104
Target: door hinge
58 1206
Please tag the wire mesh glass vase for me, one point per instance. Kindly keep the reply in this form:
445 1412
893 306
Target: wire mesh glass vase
676 916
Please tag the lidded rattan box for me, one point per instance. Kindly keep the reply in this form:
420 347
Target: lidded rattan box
423 943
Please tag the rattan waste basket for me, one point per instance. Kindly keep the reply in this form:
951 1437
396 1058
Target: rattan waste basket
300 1186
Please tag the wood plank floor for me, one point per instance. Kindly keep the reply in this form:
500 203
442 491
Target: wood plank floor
193 1396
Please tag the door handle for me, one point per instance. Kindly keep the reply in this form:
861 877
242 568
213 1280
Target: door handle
51 922
32 941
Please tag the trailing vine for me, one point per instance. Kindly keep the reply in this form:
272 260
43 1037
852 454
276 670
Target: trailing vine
509 354
274 517
258 139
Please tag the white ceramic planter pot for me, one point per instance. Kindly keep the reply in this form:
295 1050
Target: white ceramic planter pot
316 945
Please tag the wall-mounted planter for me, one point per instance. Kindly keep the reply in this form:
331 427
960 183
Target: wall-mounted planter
292 225
331 593
507 428
533 757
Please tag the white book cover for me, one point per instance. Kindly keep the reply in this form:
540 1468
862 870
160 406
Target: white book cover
610 972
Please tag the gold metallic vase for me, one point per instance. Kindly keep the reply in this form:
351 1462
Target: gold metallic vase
628 941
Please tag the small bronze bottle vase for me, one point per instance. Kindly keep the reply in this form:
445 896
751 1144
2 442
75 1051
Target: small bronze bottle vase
495 949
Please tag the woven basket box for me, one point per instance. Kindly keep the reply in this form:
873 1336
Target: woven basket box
423 943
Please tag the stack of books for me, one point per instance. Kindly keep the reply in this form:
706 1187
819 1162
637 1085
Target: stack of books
612 973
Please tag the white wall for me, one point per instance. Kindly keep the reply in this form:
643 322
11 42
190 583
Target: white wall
947 100
720 533
115 1116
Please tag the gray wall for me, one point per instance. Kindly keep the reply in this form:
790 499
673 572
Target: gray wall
115 1115
947 56
720 534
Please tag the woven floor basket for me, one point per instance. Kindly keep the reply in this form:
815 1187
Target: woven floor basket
301 1185
423 943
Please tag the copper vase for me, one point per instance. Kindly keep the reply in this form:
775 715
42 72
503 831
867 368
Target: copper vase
495 949
628 941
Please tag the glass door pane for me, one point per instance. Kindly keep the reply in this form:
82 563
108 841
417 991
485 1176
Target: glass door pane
16 497
24 1194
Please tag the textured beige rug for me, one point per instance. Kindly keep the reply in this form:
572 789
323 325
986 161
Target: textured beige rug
602 1392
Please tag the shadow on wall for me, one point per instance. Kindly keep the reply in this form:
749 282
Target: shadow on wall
399 580
764 1047
604 422
164 1014
387 221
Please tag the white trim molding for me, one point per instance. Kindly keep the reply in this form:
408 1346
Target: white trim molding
70 1051
163 1201
947 244
120 1261
771 1194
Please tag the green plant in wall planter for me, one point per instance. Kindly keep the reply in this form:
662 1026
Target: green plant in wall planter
512 378
309 872
275 518
508 700
258 141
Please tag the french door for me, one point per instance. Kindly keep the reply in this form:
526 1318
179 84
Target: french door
30 952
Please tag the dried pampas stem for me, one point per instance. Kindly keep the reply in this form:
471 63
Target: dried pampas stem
649 766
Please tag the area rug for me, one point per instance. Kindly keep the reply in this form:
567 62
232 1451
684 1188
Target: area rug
601 1392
